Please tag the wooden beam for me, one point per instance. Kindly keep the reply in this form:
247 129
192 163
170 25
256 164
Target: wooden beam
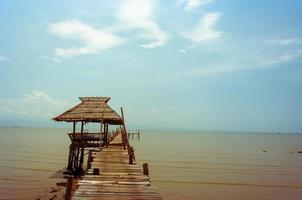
69 165
82 150
125 135
101 135
74 126
106 135
82 126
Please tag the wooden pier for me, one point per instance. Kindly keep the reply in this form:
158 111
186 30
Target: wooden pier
111 171
118 180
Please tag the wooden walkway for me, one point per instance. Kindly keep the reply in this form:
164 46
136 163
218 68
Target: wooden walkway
118 180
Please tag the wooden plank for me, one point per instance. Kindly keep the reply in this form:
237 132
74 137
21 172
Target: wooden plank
118 180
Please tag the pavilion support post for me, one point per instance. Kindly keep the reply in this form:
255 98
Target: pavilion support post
82 127
74 126
101 134
82 150
72 158
71 150
76 160
106 135
69 166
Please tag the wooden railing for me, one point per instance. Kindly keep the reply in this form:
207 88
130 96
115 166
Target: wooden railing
85 139
113 134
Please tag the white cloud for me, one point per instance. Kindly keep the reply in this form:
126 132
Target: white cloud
247 64
204 31
283 58
34 104
138 15
235 56
93 40
53 59
182 50
2 57
133 16
192 4
284 41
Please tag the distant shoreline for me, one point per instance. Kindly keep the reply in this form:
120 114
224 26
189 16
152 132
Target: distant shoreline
172 130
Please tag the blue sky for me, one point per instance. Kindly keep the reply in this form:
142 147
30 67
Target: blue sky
182 64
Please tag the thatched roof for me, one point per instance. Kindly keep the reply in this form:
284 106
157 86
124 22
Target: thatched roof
91 109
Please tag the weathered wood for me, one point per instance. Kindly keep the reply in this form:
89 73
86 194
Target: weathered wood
74 126
146 169
118 180
124 132
89 160
82 149
131 155
106 140
109 175
68 193
101 134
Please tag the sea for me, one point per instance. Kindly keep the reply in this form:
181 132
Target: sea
182 164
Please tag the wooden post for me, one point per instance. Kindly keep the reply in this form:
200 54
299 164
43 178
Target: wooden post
106 135
146 169
82 127
96 171
72 153
130 159
89 160
101 136
76 160
82 150
126 141
73 158
68 193
69 166
131 155
74 126
128 148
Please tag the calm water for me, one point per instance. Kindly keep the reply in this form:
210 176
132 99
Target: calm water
183 165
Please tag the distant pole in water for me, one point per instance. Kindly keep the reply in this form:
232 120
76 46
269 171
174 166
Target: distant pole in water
132 134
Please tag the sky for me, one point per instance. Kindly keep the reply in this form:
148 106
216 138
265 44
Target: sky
176 64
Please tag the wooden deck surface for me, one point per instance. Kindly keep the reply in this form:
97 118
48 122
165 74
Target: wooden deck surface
118 180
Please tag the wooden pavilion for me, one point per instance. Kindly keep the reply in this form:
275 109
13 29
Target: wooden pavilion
91 110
